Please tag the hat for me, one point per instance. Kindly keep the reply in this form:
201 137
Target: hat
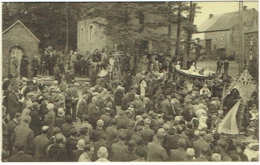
175 122
73 131
35 106
45 128
61 112
81 144
196 132
50 106
166 126
208 137
46 96
24 79
131 124
76 84
216 157
147 121
138 118
59 138
177 118
190 152
132 144
29 103
102 152
56 130
109 104
26 119
55 82
100 123
145 115
160 122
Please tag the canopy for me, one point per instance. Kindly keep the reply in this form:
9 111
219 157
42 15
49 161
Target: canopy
229 123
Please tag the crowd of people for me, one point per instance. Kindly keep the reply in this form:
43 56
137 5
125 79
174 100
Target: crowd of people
149 115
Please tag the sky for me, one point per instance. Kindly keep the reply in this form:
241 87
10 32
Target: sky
219 8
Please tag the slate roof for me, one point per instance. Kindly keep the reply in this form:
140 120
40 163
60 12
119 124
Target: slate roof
18 21
221 22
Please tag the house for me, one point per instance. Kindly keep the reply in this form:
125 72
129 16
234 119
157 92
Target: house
252 51
17 40
90 35
223 30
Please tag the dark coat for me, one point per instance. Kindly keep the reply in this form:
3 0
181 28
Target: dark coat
10 130
71 144
58 154
129 133
23 135
13 105
59 121
65 129
117 150
129 156
106 118
118 95
40 145
147 134
178 155
156 153
21 157
96 134
82 108
75 155
198 145
97 145
36 123
111 132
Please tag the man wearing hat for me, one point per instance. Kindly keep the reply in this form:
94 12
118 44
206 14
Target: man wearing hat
96 133
20 156
130 130
106 118
57 152
14 104
147 133
85 123
27 109
118 149
112 131
36 122
155 151
24 135
71 142
10 128
60 118
200 143
71 101
179 154
137 136
226 65
93 112
102 154
130 155
40 145
102 142
24 66
80 149
50 118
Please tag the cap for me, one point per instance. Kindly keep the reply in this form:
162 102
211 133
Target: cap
73 131
102 152
166 126
29 103
132 144
131 124
147 121
76 84
45 128
138 118
81 143
61 112
216 157
208 137
190 152
145 115
50 106
100 123
59 138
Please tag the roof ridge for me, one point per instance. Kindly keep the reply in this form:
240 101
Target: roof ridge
18 21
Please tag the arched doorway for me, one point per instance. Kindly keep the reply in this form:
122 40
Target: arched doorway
15 54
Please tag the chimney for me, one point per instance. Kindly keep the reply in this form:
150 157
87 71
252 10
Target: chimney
244 8
210 16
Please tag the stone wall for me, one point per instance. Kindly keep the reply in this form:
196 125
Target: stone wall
20 37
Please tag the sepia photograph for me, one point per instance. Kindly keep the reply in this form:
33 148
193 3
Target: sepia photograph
140 81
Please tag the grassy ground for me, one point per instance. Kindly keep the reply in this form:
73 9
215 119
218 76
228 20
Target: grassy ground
212 65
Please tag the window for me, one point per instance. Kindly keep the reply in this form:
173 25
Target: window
141 18
215 37
251 41
222 37
91 33
208 44
82 34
